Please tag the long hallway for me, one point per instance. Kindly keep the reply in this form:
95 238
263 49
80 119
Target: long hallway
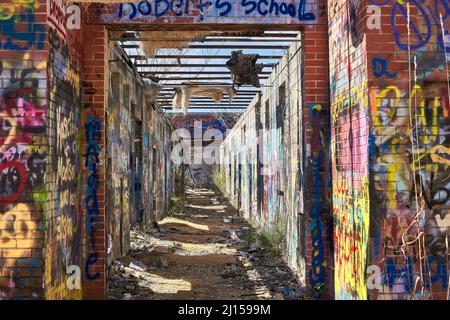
203 251
324 124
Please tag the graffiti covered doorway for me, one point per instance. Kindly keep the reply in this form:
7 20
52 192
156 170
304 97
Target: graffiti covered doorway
135 32
187 71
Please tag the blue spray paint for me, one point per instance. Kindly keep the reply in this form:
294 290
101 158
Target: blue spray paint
93 136
221 8
22 40
317 273
379 66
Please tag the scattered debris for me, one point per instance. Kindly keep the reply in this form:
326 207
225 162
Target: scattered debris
164 262
182 261
139 266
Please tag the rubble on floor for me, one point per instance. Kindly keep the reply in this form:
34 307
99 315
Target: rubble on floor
201 255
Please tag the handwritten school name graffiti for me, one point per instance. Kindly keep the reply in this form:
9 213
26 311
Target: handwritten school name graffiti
93 136
203 9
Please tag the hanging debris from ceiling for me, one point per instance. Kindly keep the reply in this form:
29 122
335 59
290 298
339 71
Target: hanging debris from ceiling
151 91
244 70
155 40
183 95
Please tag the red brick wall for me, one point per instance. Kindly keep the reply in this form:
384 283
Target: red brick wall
319 261
93 145
63 183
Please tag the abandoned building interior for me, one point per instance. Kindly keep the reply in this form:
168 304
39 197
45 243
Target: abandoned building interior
328 129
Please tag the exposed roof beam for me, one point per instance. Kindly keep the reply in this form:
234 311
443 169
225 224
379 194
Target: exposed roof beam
292 34
243 106
199 98
207 84
198 78
165 90
231 39
211 103
155 73
195 56
200 46
190 65
205 108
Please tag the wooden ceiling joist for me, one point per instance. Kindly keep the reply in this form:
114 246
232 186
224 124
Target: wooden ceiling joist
197 56
173 70
156 73
207 40
205 108
199 78
223 47
190 65
243 34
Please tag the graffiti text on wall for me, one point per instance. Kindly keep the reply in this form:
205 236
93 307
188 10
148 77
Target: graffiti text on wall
317 273
232 11
91 200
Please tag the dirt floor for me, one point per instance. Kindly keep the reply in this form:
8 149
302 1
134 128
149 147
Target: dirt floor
200 253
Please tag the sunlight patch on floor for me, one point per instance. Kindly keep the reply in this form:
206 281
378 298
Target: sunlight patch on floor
187 223
204 207
160 284
194 249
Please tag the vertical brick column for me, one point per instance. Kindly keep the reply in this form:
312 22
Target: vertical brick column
93 146
319 274
408 74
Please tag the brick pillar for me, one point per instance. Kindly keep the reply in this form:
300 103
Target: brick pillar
93 146
408 82
319 274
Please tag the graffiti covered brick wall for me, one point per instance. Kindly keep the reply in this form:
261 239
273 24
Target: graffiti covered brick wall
119 147
40 104
226 11
408 58
23 148
389 98
64 213
349 145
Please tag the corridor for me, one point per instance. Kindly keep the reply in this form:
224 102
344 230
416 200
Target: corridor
204 251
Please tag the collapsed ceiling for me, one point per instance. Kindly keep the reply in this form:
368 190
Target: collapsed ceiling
205 70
